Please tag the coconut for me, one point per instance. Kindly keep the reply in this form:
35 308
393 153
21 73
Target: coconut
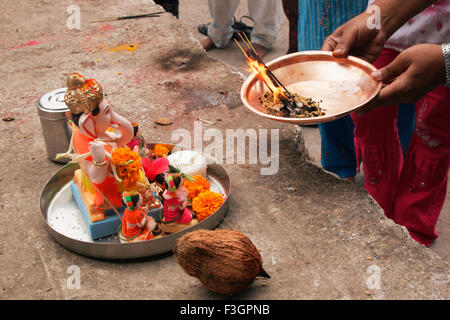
225 261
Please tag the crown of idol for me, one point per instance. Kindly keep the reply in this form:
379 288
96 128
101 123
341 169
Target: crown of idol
82 95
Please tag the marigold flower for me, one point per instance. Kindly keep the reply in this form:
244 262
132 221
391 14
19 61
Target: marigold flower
206 203
196 187
161 150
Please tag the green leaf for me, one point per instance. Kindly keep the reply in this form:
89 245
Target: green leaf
188 177
173 169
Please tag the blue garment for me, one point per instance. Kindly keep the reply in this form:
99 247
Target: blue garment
405 124
317 19
337 147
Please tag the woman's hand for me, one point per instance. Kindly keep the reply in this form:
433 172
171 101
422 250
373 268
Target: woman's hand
364 36
414 73
355 38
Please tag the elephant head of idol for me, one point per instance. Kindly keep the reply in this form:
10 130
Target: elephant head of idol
93 114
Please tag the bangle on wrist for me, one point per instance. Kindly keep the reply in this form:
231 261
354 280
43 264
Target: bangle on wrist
446 54
101 164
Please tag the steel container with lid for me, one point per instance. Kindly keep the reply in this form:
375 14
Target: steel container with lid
52 112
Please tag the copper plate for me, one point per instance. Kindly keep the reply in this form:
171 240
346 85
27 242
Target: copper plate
340 85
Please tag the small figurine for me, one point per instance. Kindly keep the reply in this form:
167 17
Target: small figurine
136 224
137 143
176 216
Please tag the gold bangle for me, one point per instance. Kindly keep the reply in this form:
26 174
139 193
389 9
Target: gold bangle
101 164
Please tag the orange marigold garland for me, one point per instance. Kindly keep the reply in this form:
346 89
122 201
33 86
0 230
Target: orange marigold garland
206 203
196 187
128 164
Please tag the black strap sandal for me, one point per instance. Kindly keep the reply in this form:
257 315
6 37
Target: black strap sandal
203 28
238 26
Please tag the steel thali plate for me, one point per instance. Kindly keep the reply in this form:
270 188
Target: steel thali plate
64 222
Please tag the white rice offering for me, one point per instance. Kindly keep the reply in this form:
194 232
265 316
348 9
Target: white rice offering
189 162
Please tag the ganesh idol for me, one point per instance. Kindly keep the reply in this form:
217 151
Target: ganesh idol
96 132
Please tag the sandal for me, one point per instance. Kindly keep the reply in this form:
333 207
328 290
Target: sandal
203 28
238 26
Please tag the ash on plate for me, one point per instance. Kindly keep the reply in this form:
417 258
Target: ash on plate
305 107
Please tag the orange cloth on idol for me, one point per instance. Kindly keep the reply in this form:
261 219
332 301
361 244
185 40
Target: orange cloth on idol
81 143
107 187
131 221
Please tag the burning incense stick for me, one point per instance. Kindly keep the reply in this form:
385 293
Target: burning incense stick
256 56
272 82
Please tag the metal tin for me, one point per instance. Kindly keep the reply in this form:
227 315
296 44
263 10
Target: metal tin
54 198
52 112
340 85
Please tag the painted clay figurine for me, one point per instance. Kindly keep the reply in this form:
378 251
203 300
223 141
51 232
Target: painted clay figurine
176 214
137 143
97 130
137 225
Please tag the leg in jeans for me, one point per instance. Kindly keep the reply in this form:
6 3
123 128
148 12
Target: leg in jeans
378 145
423 183
267 16
337 147
220 30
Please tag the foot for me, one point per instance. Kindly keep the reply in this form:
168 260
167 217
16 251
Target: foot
207 44
260 50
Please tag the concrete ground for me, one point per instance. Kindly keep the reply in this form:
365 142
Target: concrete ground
194 12
320 237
